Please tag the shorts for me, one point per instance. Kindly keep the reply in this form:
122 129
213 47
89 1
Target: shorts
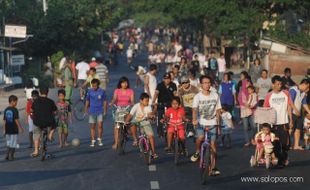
80 82
11 140
63 128
93 119
37 133
30 124
181 131
211 133
148 129
297 122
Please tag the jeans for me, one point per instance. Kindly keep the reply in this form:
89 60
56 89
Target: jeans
249 128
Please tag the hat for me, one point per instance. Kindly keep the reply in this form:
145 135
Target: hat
167 76
184 79
93 59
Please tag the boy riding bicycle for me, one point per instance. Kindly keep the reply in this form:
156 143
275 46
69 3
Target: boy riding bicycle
207 105
141 112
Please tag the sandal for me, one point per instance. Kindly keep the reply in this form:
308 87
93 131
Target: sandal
135 143
33 155
247 144
155 156
298 148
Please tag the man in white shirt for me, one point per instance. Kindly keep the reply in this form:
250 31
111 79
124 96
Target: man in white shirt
207 105
222 66
263 85
281 101
82 69
150 82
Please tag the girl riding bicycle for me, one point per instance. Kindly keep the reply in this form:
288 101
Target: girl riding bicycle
175 116
123 97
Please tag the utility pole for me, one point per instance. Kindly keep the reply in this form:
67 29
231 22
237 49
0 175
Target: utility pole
45 7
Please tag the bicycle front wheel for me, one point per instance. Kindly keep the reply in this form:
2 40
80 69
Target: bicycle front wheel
43 144
205 166
121 140
145 151
78 110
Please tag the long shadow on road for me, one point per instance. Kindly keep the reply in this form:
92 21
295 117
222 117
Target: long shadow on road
24 177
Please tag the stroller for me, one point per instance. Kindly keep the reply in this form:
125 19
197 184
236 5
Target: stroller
261 116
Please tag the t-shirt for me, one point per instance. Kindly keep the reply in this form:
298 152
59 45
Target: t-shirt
83 68
175 116
207 107
93 64
28 92
43 112
90 78
123 97
10 115
264 86
63 112
102 71
187 96
138 113
166 92
280 102
221 64
96 99
212 64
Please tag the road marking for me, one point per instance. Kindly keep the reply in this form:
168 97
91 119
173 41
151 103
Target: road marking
154 185
152 168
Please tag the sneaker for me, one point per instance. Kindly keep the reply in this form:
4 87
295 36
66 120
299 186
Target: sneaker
99 142
190 134
195 157
92 143
215 172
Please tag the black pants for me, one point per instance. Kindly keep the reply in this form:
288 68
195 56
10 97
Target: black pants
160 114
281 146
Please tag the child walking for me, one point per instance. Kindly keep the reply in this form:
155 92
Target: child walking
11 127
63 117
29 116
227 125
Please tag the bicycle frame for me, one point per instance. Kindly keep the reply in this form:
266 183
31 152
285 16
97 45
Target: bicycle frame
205 144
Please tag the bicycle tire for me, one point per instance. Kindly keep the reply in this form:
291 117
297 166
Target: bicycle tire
43 145
145 152
205 169
176 151
78 110
121 140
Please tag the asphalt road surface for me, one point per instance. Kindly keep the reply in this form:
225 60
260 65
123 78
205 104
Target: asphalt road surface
102 168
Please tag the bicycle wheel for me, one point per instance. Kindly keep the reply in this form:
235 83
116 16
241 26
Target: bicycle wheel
144 150
43 144
78 110
121 140
205 166
176 151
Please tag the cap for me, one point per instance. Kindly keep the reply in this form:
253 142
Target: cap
93 59
167 76
184 79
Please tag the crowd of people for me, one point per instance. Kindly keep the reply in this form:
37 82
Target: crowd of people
196 89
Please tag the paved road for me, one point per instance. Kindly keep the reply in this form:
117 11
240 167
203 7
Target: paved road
101 168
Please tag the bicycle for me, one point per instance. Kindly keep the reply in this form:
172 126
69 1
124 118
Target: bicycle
43 145
120 114
79 106
205 157
144 143
179 146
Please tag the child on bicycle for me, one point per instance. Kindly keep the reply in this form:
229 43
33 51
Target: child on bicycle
11 127
63 117
226 124
175 115
141 112
264 140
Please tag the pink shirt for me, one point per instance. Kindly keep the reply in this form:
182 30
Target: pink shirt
123 97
